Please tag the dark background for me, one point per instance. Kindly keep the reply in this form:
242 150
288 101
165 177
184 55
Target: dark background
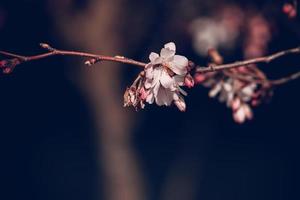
48 140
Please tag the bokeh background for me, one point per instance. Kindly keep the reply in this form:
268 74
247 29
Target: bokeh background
64 133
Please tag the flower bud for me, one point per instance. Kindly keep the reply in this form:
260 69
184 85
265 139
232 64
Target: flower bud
9 65
191 65
199 78
130 97
143 94
289 10
189 81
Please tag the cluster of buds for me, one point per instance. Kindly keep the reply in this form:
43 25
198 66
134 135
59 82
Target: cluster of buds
240 93
9 65
136 95
290 9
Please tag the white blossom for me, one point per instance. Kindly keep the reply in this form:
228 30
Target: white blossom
243 113
235 94
163 77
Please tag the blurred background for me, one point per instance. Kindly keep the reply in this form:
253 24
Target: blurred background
64 133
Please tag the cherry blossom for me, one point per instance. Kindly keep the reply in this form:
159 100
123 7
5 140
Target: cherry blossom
162 78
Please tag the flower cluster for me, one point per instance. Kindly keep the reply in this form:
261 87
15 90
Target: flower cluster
161 80
238 93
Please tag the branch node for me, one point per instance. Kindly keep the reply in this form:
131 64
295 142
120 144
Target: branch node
92 61
47 46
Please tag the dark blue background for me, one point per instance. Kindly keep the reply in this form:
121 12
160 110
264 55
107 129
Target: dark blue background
47 140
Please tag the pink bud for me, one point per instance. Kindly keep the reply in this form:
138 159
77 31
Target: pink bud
143 93
9 65
289 10
236 103
189 81
199 78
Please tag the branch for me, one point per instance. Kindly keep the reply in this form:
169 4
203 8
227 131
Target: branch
53 52
9 65
265 59
286 79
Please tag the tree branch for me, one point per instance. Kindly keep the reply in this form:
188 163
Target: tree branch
54 52
265 59
94 58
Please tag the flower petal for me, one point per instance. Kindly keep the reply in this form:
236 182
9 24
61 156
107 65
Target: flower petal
153 56
179 80
179 65
215 90
166 80
180 104
171 46
149 72
167 54
150 98
164 97
157 61
155 89
239 116
148 83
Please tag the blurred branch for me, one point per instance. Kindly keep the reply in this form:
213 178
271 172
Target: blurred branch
286 79
265 59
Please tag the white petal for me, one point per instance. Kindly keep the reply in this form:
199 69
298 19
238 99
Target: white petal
157 74
248 111
182 91
153 56
216 89
155 89
157 61
230 96
150 98
167 54
239 116
171 46
227 87
179 80
180 105
181 61
175 96
149 72
248 91
148 83
166 80
164 97
179 65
